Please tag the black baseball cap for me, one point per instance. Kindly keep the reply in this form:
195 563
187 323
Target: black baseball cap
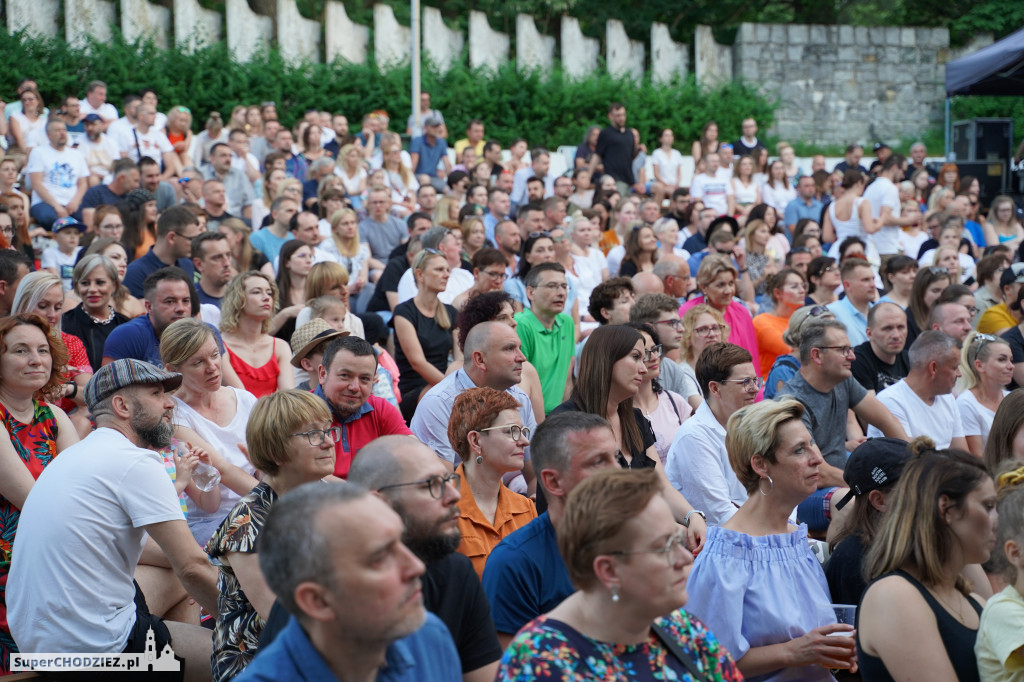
875 463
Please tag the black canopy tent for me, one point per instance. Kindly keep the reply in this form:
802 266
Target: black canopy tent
994 70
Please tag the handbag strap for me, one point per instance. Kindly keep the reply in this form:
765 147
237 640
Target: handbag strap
677 651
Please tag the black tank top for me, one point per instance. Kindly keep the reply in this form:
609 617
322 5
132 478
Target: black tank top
957 639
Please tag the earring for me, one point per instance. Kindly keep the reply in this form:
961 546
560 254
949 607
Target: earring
771 484
479 459
615 593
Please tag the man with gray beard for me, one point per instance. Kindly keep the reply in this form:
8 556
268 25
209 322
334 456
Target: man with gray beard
71 586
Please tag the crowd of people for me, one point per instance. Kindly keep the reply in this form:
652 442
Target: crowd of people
619 423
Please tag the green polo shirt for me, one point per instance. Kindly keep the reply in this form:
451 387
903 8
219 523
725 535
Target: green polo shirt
550 351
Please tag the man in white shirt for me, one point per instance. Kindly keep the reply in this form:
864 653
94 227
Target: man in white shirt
71 586
95 102
124 125
698 464
884 196
59 177
238 189
99 149
145 139
242 159
712 186
923 402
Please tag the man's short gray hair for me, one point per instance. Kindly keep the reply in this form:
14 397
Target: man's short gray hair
667 267
432 238
294 547
549 447
813 336
322 162
930 346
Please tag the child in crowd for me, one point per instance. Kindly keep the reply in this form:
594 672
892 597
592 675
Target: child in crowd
912 236
61 259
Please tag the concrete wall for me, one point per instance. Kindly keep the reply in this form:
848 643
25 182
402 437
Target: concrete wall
442 45
839 84
488 49
344 38
297 37
533 50
87 18
835 84
141 18
247 31
194 26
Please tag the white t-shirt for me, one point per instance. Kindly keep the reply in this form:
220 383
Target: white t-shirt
882 192
614 259
459 281
714 191
226 439
153 143
940 421
975 417
911 244
61 171
63 263
70 588
100 155
668 165
107 111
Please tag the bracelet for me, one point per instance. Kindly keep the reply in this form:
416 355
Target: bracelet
74 390
686 519
744 270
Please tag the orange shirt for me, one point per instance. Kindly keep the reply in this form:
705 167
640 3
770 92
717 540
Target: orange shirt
479 536
769 329
609 240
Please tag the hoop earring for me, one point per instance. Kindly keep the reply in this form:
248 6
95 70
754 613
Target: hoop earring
771 484
615 593
479 459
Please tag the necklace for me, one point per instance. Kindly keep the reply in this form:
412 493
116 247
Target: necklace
959 606
108 320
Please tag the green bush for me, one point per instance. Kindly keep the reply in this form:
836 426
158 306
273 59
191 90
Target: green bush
547 110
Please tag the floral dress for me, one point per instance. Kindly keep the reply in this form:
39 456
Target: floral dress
237 633
548 649
36 445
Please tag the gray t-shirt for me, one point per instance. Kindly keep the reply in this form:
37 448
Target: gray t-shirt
383 237
825 415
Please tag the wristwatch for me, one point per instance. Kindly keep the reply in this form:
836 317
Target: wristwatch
686 519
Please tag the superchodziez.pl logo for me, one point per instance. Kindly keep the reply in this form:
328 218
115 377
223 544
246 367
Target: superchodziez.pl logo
149 661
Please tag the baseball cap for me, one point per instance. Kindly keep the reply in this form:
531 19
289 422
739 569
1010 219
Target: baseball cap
881 145
64 223
1014 273
875 463
92 118
431 121
124 373
310 335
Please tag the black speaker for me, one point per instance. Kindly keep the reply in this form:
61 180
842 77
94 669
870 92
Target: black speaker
991 177
983 139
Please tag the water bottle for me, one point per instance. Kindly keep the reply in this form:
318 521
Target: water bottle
205 477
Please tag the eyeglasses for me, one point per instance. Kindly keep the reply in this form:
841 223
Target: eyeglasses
653 352
435 485
937 270
671 550
818 310
844 350
979 342
496 275
559 240
316 437
514 430
799 249
552 286
750 384
181 109
710 330
7 231
675 323
972 310
538 235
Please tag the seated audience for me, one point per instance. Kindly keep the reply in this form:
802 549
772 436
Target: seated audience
716 280
882 360
665 410
986 366
92 320
255 355
787 290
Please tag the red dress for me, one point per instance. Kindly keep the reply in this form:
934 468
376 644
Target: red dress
78 363
259 381
36 445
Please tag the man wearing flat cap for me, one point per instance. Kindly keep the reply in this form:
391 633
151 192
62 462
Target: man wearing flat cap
84 525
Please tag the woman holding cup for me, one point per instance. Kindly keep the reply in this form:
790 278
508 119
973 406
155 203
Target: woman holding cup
757 584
